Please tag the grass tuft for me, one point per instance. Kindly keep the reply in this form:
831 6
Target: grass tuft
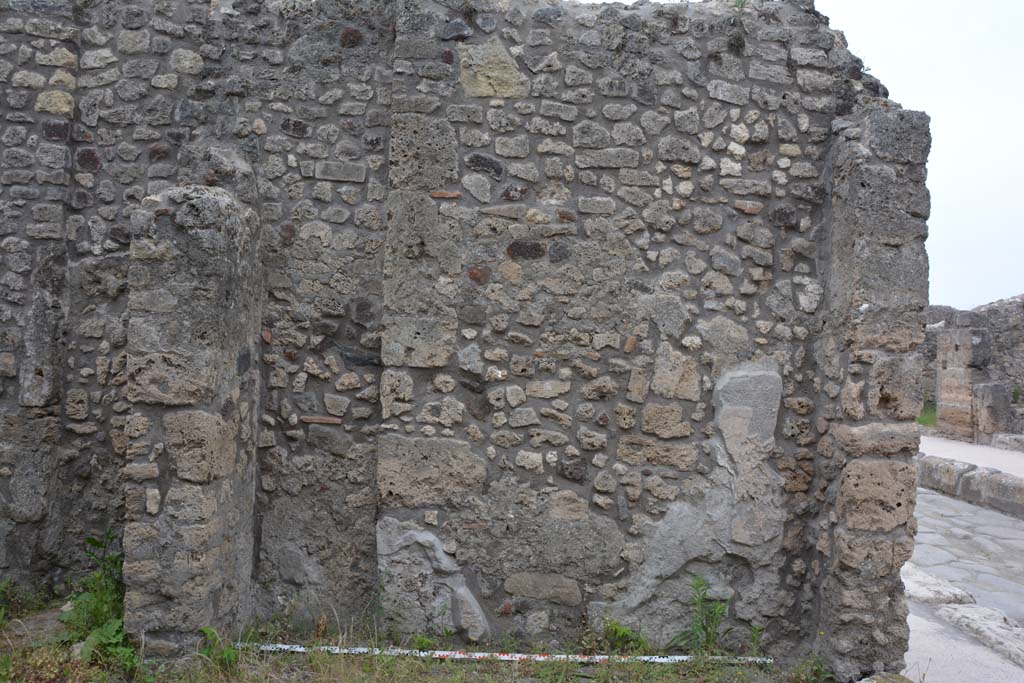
928 415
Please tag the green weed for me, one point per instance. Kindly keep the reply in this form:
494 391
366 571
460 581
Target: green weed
96 618
1016 394
223 656
704 631
623 640
422 642
812 670
928 415
756 636
6 588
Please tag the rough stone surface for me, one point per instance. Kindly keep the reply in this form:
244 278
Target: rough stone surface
508 315
417 472
488 70
991 627
931 590
974 373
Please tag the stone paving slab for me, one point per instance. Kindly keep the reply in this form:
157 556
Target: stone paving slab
964 552
978 550
990 626
926 589
939 653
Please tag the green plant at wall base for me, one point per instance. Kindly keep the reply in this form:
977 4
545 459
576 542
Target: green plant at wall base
224 656
706 624
110 646
622 639
756 636
421 642
1016 394
812 670
6 589
96 618
928 415
442 630
741 5
102 595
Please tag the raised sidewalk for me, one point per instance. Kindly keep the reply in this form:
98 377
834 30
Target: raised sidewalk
981 475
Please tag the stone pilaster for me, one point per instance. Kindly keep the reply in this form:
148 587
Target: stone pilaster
878 290
37 76
195 304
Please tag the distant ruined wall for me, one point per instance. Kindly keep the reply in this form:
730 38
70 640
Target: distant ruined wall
1005 322
500 316
976 366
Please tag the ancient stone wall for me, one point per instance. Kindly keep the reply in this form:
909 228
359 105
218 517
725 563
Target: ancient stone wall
1005 322
496 316
976 368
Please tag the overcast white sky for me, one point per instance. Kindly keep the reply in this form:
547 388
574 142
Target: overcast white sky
961 63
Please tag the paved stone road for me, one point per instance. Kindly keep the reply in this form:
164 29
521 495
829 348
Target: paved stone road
939 653
976 549
982 552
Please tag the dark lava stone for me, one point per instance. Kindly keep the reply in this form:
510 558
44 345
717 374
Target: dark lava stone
363 311
351 37
456 29
295 128
525 249
482 163
473 315
133 18
56 130
515 192
548 15
87 159
783 217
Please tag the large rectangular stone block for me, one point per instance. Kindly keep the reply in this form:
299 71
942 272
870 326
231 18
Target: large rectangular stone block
876 495
417 472
423 152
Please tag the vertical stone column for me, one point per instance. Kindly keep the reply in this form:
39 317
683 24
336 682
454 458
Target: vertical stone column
962 354
195 310
993 412
421 586
878 291
37 74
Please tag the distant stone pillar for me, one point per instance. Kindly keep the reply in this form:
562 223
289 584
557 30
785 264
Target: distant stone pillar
993 411
195 310
878 291
954 381
968 406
